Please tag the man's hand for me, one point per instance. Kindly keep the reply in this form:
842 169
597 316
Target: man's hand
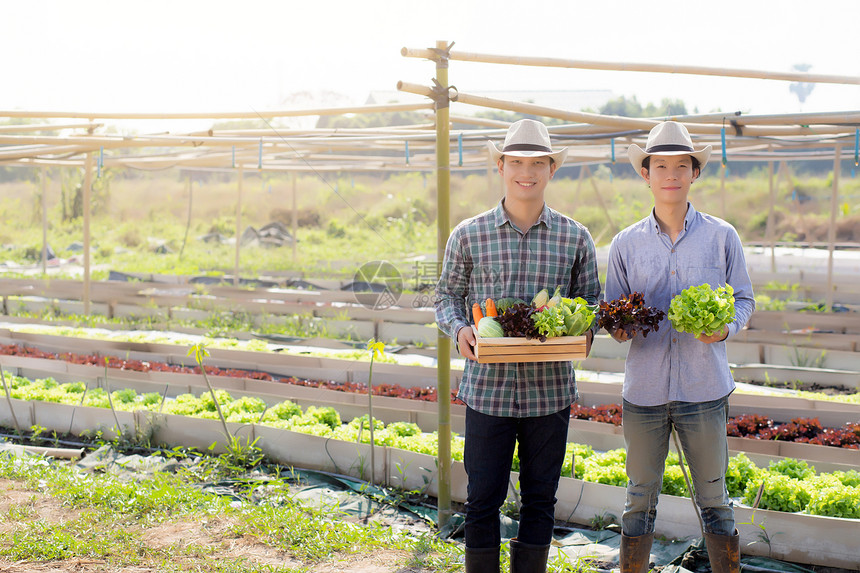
589 338
718 336
620 335
466 343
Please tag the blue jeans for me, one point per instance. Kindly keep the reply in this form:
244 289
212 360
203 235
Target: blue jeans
701 428
488 455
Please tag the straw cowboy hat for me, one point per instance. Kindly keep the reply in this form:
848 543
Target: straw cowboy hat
667 138
527 138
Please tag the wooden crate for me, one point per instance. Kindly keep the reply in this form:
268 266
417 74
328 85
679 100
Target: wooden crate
518 349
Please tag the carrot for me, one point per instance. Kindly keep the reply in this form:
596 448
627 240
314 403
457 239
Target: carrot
476 313
491 308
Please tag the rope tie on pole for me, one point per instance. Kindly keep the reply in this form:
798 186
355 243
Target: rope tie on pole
100 162
723 142
406 144
612 148
260 155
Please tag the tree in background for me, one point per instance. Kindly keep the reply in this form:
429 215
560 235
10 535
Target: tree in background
621 106
801 89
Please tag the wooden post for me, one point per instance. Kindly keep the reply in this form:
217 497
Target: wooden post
88 183
238 227
769 231
490 179
582 171
189 186
600 202
443 229
295 220
831 232
44 220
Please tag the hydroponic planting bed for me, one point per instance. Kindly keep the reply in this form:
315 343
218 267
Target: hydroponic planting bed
395 462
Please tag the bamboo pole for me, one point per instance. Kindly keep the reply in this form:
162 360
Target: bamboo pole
44 180
220 115
636 67
618 122
88 183
443 229
47 127
238 225
831 231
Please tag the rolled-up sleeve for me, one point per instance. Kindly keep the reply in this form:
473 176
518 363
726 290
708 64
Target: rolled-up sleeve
453 286
737 275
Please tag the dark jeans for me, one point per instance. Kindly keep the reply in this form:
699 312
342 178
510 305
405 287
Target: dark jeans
488 454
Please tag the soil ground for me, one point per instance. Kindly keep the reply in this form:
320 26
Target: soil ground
212 534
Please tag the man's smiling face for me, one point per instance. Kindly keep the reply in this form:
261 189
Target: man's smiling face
526 178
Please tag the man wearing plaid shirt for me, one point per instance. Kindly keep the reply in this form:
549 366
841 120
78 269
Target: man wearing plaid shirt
514 250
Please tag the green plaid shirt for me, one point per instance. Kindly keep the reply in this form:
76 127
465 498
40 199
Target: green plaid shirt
487 257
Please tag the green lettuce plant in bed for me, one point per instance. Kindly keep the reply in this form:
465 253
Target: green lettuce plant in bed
787 485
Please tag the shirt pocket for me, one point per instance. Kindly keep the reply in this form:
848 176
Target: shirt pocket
487 280
647 273
695 276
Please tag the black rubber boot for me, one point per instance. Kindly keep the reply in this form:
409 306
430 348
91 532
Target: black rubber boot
724 552
636 553
527 558
482 560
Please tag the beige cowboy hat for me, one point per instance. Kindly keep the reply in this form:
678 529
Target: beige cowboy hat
527 138
667 138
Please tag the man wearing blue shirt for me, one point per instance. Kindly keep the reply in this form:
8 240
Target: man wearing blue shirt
676 379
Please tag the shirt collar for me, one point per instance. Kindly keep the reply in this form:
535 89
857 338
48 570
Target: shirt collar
688 218
501 216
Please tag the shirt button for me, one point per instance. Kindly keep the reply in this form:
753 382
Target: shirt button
673 250
674 340
673 272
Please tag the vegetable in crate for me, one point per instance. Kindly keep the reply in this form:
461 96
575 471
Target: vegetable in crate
505 303
629 313
489 327
516 321
579 316
491 308
550 321
477 314
702 309
567 317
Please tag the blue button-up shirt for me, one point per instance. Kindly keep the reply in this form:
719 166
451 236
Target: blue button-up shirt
667 365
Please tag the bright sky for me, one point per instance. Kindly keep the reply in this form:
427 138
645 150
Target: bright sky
196 55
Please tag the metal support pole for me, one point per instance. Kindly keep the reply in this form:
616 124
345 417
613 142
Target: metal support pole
443 227
831 232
